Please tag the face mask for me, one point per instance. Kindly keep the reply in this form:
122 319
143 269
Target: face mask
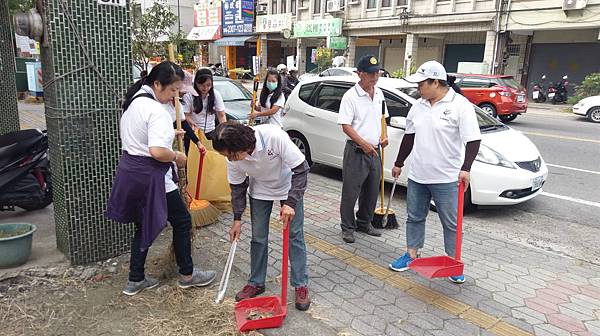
271 86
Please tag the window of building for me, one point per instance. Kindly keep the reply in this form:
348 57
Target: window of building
371 3
386 3
293 7
317 7
283 8
274 7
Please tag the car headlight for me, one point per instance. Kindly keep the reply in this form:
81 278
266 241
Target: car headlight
489 156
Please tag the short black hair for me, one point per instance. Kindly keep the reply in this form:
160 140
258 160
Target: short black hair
443 83
233 137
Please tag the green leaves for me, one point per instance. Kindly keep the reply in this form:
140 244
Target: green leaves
149 32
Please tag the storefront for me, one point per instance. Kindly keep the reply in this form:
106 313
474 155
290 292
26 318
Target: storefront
238 35
276 30
207 28
312 35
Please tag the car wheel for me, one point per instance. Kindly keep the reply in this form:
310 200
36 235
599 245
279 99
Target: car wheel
489 109
468 206
508 117
300 141
594 114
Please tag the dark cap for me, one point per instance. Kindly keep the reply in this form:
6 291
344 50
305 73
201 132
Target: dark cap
368 64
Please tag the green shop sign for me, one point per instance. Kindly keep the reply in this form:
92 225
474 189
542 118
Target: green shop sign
318 28
337 42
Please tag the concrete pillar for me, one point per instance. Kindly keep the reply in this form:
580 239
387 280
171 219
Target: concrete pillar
351 58
264 50
84 137
300 56
410 53
9 113
488 54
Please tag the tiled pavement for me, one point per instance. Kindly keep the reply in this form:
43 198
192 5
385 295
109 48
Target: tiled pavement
511 289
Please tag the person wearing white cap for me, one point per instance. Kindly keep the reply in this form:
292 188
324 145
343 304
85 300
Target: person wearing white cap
443 135
291 81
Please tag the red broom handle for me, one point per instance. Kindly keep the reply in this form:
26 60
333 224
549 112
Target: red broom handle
284 265
459 219
199 178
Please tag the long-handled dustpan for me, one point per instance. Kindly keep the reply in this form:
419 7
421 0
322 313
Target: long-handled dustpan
444 266
226 272
267 311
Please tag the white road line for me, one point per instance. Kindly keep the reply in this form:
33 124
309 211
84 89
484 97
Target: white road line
571 199
571 168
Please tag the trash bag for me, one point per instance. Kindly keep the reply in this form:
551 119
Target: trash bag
214 186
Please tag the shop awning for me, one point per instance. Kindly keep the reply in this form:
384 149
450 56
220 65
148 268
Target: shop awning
206 33
234 41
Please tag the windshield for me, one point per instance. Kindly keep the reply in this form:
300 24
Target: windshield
410 91
510 82
232 91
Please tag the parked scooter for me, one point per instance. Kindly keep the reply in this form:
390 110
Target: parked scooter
558 93
219 70
537 92
24 170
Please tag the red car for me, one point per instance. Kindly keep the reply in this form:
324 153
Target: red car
499 95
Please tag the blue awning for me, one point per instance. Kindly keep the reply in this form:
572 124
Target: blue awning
234 41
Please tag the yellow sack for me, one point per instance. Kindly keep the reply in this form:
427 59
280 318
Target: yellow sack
214 186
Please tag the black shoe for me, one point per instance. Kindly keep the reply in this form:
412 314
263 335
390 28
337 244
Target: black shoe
371 231
348 236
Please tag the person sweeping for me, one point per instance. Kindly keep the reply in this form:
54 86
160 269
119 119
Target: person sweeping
144 188
264 162
443 135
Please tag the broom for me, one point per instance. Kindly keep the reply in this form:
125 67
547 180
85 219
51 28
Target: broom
202 212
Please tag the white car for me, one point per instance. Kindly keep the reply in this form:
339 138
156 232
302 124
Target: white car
336 71
508 169
589 107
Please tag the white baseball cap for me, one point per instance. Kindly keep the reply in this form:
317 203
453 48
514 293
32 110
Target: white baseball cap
428 70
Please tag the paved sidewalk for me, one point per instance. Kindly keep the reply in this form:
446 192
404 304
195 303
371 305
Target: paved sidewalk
510 290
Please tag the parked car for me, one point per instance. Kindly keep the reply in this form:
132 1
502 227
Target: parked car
236 97
589 107
336 71
508 169
500 96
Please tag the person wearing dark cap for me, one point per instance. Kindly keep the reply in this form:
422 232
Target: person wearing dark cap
360 117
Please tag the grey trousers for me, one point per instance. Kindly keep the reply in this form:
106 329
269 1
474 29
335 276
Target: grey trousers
361 180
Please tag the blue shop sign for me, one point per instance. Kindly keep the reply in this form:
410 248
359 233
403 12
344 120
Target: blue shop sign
238 17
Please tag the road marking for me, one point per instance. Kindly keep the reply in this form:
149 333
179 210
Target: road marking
575 169
491 323
571 199
561 137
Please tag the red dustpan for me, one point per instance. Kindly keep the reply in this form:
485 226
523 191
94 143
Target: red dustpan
267 311
444 266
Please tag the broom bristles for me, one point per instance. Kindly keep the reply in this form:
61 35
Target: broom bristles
203 213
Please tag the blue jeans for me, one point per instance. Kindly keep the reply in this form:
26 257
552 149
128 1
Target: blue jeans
445 196
259 251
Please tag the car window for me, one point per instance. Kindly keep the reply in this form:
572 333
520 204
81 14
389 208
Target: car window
474 83
306 91
412 92
325 73
397 107
232 91
338 72
510 82
330 97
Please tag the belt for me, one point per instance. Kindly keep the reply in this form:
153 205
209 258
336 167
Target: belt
351 142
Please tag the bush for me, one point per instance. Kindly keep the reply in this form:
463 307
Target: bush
589 87
400 72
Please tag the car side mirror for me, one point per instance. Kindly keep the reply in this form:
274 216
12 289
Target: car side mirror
398 122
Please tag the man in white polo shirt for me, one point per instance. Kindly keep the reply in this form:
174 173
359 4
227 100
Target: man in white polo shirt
360 116
443 134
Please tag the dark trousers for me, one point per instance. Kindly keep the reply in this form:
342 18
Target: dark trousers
181 221
361 175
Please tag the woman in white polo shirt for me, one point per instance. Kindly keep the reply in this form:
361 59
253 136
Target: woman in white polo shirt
204 103
269 108
144 190
264 160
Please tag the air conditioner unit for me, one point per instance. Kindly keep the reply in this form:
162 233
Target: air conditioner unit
573 4
333 6
261 9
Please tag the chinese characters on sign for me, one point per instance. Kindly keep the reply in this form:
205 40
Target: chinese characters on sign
273 23
318 28
238 17
207 13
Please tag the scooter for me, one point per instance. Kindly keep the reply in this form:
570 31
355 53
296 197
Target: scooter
24 170
537 92
561 91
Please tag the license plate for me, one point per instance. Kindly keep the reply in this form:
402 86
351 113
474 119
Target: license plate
536 183
551 95
535 95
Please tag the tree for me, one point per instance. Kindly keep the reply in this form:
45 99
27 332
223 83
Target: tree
590 86
150 30
16 6
324 58
186 50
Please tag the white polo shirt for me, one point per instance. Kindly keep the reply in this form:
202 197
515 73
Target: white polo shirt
277 118
204 122
146 123
270 165
363 113
441 132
